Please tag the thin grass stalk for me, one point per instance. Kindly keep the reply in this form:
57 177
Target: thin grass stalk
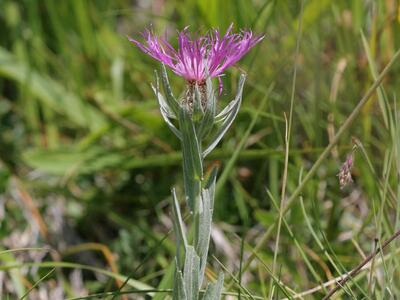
324 154
288 132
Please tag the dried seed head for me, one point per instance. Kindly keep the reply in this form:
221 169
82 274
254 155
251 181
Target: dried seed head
345 171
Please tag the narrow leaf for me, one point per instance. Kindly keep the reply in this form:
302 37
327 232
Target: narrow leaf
165 116
179 227
172 102
161 100
226 111
179 292
166 111
214 290
229 118
192 161
191 273
204 231
208 119
210 184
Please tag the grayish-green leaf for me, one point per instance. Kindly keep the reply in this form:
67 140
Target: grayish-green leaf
172 102
191 273
227 109
214 290
166 112
209 114
179 228
228 120
179 292
156 89
210 184
203 241
192 160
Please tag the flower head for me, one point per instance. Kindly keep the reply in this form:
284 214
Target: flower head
197 58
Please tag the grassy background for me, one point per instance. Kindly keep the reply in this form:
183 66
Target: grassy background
86 162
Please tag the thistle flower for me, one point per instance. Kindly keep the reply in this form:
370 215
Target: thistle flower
197 58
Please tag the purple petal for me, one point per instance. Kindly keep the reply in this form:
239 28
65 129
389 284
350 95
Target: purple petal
197 58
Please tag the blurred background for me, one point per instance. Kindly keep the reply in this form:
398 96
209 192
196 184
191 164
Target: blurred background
86 162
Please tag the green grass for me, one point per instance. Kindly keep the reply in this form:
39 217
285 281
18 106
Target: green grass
86 162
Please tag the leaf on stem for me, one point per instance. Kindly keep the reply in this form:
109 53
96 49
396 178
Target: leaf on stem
207 121
191 273
192 160
172 102
214 290
179 227
165 109
210 184
179 292
227 116
203 241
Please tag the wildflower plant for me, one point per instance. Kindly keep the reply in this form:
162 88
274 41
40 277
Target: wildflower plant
195 121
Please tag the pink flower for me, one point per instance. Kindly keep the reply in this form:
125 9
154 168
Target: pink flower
197 58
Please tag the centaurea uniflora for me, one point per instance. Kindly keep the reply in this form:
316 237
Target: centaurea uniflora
200 128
